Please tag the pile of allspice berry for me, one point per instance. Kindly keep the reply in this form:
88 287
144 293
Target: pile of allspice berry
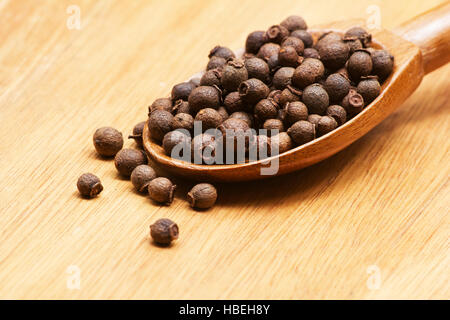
133 164
295 84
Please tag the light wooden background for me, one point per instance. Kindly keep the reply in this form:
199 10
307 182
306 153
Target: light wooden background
380 205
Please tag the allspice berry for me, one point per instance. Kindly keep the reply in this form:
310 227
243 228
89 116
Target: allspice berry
311 53
273 126
159 123
288 57
202 196
303 35
254 42
283 77
295 111
302 132
310 71
282 142
382 63
182 121
290 94
360 34
223 113
243 116
353 103
277 34
182 91
216 63
334 54
89 185
326 124
161 190
295 43
337 86
127 160
268 50
316 99
210 118
314 119
137 133
161 104
204 97
223 52
174 138
293 23
211 78
369 88
338 113
164 231
233 102
233 129
359 64
253 90
181 106
107 141
204 148
257 68
266 109
141 177
233 73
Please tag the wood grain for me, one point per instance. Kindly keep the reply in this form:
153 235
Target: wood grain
381 204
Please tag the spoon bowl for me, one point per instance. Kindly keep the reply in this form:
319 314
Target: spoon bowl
405 78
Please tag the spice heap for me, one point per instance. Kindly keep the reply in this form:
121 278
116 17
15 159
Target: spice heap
293 84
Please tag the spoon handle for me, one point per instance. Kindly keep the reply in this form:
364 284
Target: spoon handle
430 31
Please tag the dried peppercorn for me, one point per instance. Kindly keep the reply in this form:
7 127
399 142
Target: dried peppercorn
338 113
326 124
334 54
126 160
182 121
288 57
159 123
202 196
310 71
164 231
182 91
337 86
137 133
204 148
293 23
141 177
295 43
257 68
316 98
302 132
268 50
266 109
161 190
253 90
353 103
276 34
254 42
281 142
174 138
233 73
210 118
222 52
204 97
273 124
359 33
311 53
382 63
243 116
359 64
216 63
369 88
233 102
295 111
107 141
283 77
89 185
161 104
181 106
290 94
211 78
303 35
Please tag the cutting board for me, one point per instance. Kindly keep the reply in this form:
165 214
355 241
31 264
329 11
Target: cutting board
370 222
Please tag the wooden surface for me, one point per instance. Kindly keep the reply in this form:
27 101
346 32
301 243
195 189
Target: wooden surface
370 222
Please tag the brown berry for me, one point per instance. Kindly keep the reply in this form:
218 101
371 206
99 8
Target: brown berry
202 196
268 50
159 123
211 78
282 142
161 104
277 34
326 124
254 41
316 99
174 138
334 54
137 133
164 231
369 88
210 118
216 63
233 73
141 177
127 160
314 119
295 111
302 132
253 90
273 124
222 52
353 103
382 63
360 34
182 121
204 97
337 86
204 148
294 23
295 43
338 113
243 116
290 94
283 77
233 102
89 185
182 91
107 141
181 106
161 190
303 35
266 109
359 64
311 53
310 71
257 68
288 57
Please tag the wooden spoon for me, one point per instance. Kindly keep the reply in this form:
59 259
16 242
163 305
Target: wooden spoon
419 46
